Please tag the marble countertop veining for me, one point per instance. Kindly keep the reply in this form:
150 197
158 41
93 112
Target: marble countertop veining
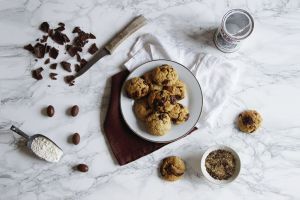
269 83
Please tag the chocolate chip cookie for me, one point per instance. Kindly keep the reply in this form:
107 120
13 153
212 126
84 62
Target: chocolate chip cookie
165 75
172 168
161 101
158 123
249 121
152 85
179 114
141 108
178 89
136 88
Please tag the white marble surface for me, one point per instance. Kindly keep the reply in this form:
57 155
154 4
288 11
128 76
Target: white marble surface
270 83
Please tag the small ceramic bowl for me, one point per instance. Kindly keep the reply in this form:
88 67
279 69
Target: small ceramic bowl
216 181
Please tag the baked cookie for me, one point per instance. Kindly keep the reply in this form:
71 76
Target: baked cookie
158 123
164 75
178 89
179 114
152 86
172 168
136 88
141 108
161 101
249 121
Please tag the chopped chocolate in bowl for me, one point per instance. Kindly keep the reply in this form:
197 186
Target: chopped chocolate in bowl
220 164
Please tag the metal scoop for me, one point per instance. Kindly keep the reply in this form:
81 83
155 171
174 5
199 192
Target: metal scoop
30 139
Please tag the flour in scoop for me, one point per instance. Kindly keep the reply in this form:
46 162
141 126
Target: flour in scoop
46 149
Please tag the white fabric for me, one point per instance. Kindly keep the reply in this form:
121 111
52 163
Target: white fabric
216 76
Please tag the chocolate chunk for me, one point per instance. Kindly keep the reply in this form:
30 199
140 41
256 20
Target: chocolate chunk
78 58
91 36
37 73
44 39
58 37
71 50
53 66
53 76
74 110
70 80
61 24
76 30
93 49
29 47
39 50
66 66
83 167
161 116
83 62
47 61
187 116
165 82
44 27
77 68
53 53
76 138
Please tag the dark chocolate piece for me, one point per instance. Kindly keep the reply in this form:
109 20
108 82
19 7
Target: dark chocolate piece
29 47
53 66
83 62
47 61
93 49
92 36
39 50
37 73
53 76
53 53
44 27
44 39
66 66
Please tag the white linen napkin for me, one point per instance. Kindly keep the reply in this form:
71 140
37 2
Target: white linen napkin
217 77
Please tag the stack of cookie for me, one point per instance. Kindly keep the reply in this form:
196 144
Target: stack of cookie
156 95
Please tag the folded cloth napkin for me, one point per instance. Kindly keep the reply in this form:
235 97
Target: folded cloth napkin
216 76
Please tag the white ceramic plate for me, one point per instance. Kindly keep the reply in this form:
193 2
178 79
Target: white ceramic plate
194 102
237 167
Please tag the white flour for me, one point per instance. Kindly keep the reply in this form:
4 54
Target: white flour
45 149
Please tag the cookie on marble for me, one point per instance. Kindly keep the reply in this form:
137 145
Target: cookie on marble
178 89
136 88
161 101
165 75
158 123
172 168
152 85
249 121
179 114
141 108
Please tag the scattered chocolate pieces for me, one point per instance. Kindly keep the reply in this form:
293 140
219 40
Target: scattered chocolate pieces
53 53
93 49
53 66
66 66
82 167
44 27
37 73
39 50
53 76
47 61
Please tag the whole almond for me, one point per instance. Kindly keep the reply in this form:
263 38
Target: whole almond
76 138
74 110
83 167
50 111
